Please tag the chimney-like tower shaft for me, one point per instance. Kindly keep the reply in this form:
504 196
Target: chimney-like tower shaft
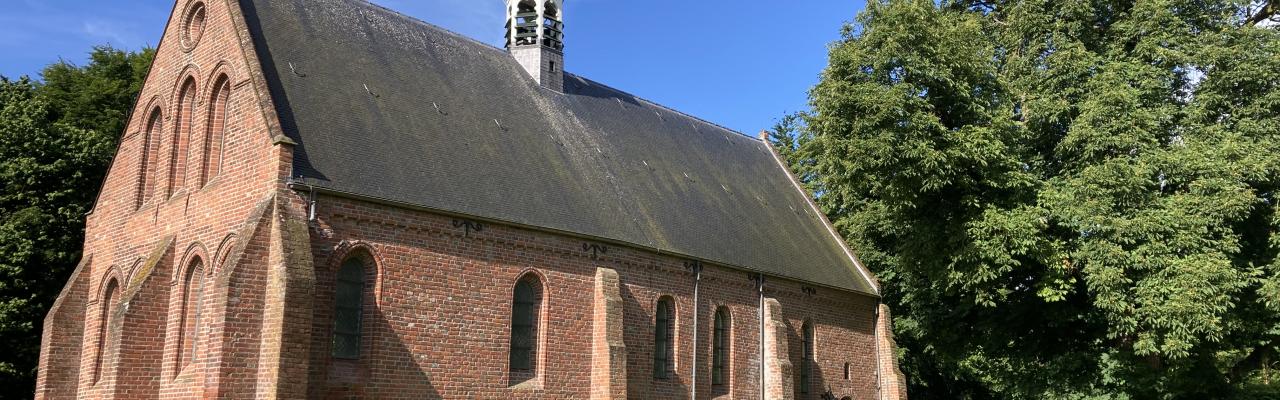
535 37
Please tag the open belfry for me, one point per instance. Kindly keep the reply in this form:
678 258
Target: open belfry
328 199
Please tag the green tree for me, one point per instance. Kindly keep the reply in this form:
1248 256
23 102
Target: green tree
97 96
1062 199
56 142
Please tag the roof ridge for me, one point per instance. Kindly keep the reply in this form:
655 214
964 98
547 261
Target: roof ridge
419 21
496 48
656 104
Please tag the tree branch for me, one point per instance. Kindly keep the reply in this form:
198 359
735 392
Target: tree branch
1266 12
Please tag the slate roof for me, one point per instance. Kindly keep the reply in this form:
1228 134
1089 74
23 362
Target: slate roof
388 107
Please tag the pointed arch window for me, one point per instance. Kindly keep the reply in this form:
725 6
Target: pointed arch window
192 302
148 156
107 318
663 338
806 366
215 132
181 137
348 309
720 347
526 310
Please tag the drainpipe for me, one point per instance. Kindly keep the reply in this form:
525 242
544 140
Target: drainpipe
697 278
760 313
311 197
876 338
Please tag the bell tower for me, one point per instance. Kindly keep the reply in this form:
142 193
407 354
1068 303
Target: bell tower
535 37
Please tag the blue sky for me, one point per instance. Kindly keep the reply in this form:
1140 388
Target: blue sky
739 63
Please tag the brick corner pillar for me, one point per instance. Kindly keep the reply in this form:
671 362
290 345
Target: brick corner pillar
893 384
286 333
608 352
137 332
59 370
779 379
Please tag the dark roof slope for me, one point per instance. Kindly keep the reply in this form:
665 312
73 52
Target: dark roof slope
389 107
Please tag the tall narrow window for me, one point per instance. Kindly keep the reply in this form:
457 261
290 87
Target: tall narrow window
215 134
806 367
147 159
663 333
181 136
108 307
192 295
526 304
720 347
846 371
348 309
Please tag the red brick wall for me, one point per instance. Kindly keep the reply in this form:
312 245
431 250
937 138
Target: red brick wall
437 313
63 335
893 384
844 333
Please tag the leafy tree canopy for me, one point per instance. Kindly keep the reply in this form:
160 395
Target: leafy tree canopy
56 141
1062 199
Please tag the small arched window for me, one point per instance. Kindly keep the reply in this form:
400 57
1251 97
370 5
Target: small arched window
107 317
181 136
720 347
806 366
846 371
663 335
147 159
192 296
526 309
348 309
215 133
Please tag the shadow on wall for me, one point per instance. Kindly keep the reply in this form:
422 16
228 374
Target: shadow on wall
824 383
385 367
400 375
818 383
638 338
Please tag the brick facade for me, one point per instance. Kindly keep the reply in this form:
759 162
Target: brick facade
437 299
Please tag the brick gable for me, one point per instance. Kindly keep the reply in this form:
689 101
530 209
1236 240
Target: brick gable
211 199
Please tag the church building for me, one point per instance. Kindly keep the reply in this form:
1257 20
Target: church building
328 199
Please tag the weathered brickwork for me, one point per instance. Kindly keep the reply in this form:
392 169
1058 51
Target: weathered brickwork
893 384
191 188
609 350
437 316
62 337
143 244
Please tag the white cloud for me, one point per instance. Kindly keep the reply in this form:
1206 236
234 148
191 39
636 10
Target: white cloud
38 32
112 32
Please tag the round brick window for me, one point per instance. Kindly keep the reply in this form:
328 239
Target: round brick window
193 25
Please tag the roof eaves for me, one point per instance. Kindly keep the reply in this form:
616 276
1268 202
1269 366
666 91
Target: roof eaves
308 184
